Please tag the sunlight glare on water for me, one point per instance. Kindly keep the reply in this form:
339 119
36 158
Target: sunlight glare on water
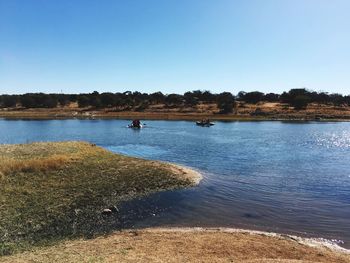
341 140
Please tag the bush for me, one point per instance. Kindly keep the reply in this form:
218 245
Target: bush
253 97
191 99
174 100
271 97
300 102
6 249
225 102
157 97
50 101
27 101
107 99
63 100
9 101
83 101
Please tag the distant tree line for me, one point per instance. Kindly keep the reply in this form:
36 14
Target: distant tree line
297 98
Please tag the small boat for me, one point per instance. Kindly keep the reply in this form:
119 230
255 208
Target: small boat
205 124
135 127
136 124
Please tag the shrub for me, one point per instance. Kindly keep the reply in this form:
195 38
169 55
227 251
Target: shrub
83 101
225 102
300 102
9 101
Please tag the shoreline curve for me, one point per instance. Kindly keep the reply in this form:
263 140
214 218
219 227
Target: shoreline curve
185 172
189 245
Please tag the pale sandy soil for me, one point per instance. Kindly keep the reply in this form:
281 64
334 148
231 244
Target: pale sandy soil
184 172
187 245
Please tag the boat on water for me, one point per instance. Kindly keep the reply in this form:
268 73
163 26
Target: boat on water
136 127
205 123
136 124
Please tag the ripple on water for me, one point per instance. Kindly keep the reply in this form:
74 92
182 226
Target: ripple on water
137 150
336 139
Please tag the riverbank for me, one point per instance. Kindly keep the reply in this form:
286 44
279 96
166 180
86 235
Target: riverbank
246 112
188 245
59 202
63 190
170 116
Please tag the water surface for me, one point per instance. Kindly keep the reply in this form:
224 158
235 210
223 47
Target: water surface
291 177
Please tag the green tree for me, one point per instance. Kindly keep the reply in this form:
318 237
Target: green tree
63 99
83 101
300 102
9 101
107 99
173 100
27 101
50 101
225 102
253 97
157 97
191 99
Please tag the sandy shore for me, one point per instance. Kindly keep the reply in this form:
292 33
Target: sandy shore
188 245
185 172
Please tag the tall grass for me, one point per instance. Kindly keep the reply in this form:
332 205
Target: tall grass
9 165
42 157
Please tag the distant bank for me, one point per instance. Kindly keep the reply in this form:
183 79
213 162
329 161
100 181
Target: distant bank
296 104
243 112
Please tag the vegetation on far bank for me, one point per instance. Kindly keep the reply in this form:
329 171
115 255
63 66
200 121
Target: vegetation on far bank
136 101
55 191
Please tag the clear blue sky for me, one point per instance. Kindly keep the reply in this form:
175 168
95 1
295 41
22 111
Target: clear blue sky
174 45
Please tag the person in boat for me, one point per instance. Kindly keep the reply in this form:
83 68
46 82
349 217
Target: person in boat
205 121
136 123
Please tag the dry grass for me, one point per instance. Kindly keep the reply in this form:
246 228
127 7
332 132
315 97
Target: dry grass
167 245
54 191
42 157
10 165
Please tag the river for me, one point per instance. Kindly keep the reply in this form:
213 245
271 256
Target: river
289 177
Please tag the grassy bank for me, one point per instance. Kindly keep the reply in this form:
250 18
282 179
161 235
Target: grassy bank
70 191
186 245
55 191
